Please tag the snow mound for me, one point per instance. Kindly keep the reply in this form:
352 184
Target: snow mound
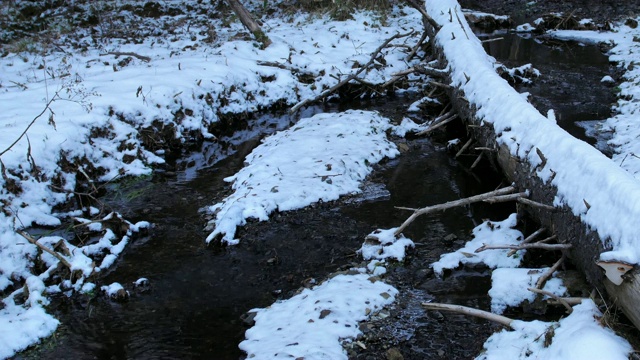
313 324
319 159
487 233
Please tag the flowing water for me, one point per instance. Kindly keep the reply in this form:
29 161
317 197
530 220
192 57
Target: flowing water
198 294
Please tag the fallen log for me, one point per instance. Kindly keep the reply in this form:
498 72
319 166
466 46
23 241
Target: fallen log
596 202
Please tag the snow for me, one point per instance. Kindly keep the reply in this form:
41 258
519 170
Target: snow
314 323
487 233
319 159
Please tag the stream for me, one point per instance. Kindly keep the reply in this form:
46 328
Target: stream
198 294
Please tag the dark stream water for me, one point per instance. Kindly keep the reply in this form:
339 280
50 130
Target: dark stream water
198 294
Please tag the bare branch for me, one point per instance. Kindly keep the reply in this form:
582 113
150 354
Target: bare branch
503 320
451 204
525 247
30 239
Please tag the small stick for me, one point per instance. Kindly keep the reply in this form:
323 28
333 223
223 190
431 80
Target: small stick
568 300
475 163
440 84
536 204
494 39
464 147
451 204
543 279
503 320
525 246
529 239
555 297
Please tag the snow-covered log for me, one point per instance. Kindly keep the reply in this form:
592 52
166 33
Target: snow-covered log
597 203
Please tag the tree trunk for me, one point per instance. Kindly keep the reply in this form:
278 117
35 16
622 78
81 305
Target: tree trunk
563 222
248 22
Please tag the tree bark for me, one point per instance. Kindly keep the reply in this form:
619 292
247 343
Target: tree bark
247 20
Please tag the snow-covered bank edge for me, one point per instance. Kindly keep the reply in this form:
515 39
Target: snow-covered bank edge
116 115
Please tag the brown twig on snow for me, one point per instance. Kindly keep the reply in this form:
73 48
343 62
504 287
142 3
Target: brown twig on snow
503 320
525 247
528 239
451 204
35 242
331 90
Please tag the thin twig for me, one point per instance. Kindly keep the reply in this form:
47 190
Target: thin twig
528 239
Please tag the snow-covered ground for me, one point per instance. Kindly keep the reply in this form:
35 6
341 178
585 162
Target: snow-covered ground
96 98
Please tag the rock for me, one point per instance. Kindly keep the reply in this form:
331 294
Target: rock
393 354
249 318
